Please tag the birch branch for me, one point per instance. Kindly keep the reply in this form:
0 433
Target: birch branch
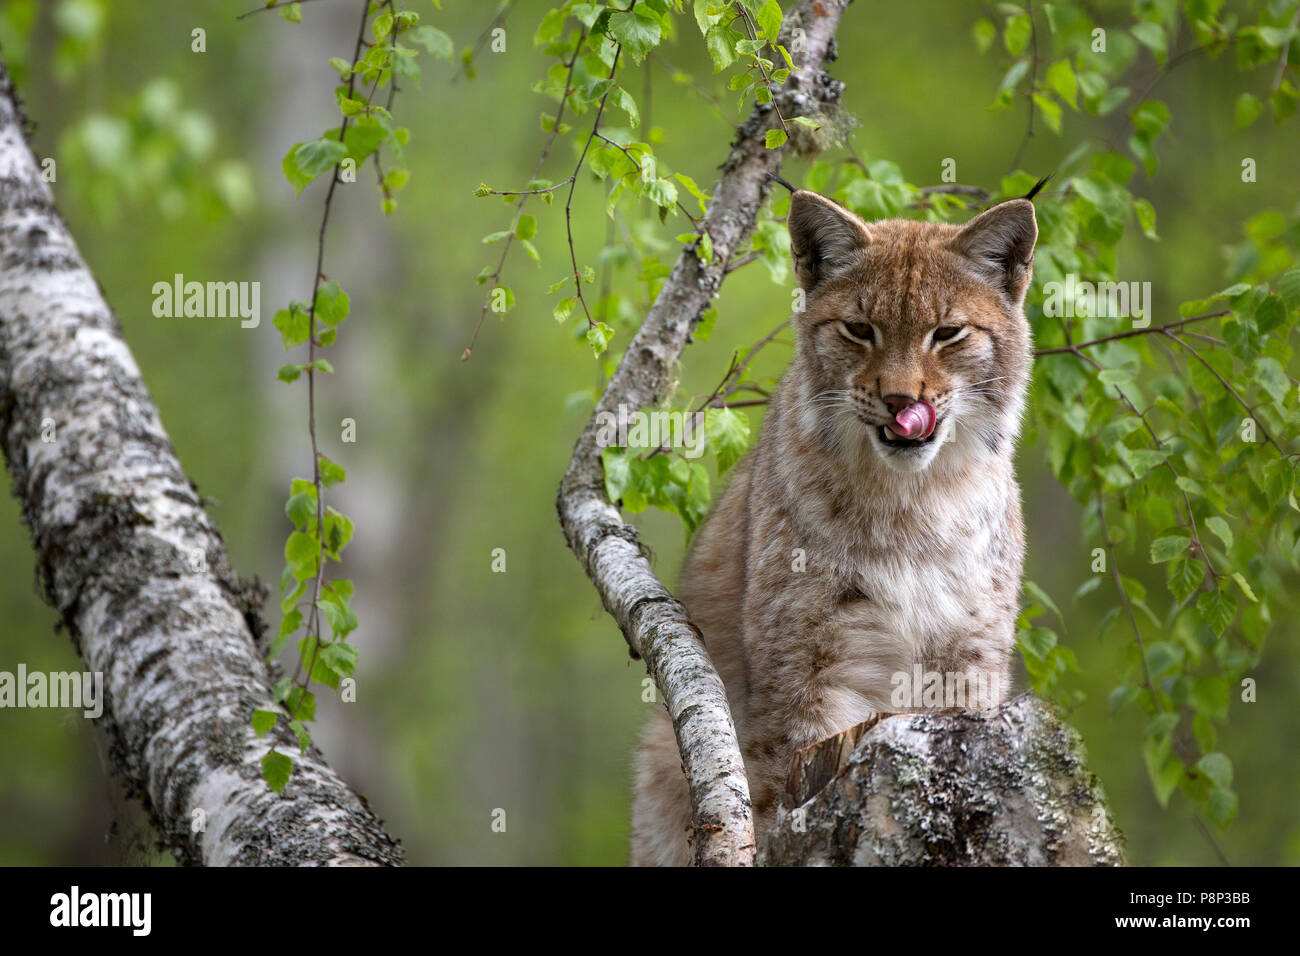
654 623
135 568
1006 787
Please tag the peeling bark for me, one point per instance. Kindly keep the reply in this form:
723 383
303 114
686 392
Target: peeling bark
653 622
1010 787
135 568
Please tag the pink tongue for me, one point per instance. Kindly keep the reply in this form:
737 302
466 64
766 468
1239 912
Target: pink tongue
916 421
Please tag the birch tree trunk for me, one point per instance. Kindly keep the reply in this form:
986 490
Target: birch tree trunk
654 623
135 568
1007 788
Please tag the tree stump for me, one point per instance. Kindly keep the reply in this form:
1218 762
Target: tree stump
1004 787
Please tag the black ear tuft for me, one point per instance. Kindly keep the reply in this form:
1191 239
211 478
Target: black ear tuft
824 237
1037 187
999 243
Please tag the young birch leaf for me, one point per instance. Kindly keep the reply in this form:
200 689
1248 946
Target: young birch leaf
728 432
1217 609
276 768
263 720
637 33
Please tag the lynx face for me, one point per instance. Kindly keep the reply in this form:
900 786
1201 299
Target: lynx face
901 314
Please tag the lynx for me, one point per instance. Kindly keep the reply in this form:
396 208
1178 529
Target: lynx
874 534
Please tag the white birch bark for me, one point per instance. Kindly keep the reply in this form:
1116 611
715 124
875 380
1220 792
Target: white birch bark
135 568
654 623
1007 787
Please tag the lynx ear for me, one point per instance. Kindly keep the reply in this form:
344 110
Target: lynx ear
824 237
1000 244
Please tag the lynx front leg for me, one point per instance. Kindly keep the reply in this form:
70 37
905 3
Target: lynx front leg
661 811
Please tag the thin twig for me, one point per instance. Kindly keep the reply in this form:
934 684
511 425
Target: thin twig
1033 84
1231 391
495 22
1286 50
313 621
495 277
273 6
1152 330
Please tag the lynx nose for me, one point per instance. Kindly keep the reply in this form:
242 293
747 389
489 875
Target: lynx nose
897 402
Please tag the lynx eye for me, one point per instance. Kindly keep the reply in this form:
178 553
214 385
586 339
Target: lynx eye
862 332
946 333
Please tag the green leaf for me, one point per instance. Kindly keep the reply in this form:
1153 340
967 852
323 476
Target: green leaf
1272 377
1245 586
1061 78
1016 33
300 508
289 373
1150 118
341 619
433 40
338 531
1146 216
331 303
719 42
776 138
1210 695
637 32
662 193
300 731
1221 806
1152 36
1221 530
276 768
305 161
1168 548
1217 609
293 326
1043 598
1163 767
1218 768
330 473
1248 109
340 657
1184 578
598 337
263 720
1051 111
1289 287
623 100
728 434
301 553
1036 641
985 32
699 195
769 19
